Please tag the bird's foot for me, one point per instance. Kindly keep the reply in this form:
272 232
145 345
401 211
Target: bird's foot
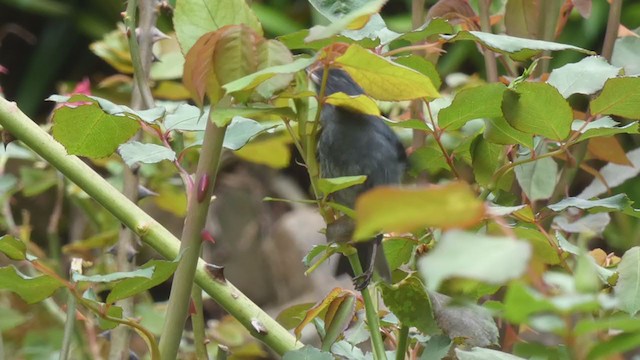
361 281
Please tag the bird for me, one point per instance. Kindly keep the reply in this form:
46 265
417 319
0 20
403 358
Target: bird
352 144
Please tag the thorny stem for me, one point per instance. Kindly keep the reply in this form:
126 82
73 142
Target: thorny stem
198 201
150 231
141 98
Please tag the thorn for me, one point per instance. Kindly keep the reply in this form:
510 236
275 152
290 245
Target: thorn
144 192
216 272
259 326
206 236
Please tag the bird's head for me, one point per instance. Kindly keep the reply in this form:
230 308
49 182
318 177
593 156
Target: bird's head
337 81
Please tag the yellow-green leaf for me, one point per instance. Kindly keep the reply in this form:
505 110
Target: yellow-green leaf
387 209
383 79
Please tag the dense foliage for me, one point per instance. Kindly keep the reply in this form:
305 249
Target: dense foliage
515 235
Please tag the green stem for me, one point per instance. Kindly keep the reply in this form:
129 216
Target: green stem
198 200
68 326
403 337
371 312
197 322
150 231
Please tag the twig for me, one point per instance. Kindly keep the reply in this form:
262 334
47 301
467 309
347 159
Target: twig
485 25
613 23
418 136
437 133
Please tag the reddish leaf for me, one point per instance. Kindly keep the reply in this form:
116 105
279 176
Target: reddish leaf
608 149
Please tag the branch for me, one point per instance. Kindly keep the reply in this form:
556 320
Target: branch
613 22
150 231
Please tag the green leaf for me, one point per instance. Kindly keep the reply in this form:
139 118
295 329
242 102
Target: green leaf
114 276
187 117
587 76
194 18
409 301
370 71
518 49
478 102
161 271
494 260
486 159
537 178
398 251
427 158
615 346
290 317
11 318
88 131
538 109
296 40
337 319
354 19
478 353
253 80
627 290
619 321
135 152
30 289
620 96
389 209
149 116
469 324
360 103
498 131
307 352
618 202
521 302
241 130
542 250
605 126
35 181
432 27
421 65
625 54
13 248
330 185
223 116
436 348
273 151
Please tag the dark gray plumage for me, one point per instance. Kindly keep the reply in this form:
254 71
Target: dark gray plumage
352 144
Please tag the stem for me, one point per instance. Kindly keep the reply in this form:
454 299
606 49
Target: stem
150 231
371 312
54 223
403 338
68 326
198 200
141 98
437 133
485 25
197 322
613 22
136 60
418 136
